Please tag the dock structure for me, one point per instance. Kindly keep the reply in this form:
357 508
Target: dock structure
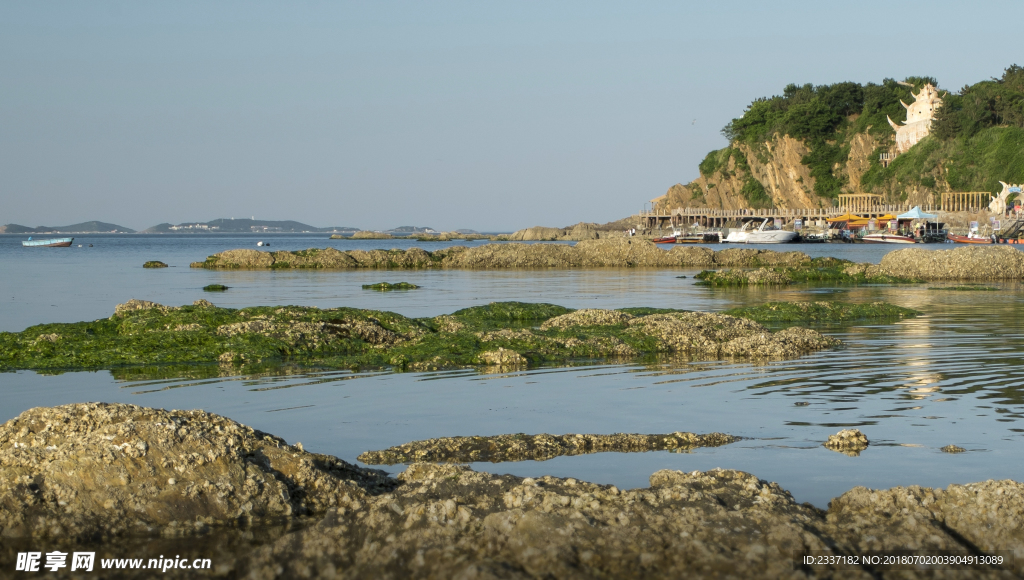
965 200
659 218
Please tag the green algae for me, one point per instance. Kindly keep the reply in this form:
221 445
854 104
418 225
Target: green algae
220 340
387 286
644 310
503 312
215 288
154 264
817 270
809 312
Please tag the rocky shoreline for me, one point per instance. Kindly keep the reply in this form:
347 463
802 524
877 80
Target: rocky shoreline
105 472
593 253
911 264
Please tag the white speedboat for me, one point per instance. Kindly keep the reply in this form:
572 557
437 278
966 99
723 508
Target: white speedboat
769 234
739 236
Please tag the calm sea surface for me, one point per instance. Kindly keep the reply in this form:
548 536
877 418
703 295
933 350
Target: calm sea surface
951 376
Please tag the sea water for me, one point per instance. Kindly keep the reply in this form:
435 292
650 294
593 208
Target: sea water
950 376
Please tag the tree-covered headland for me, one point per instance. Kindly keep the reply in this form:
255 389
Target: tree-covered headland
977 140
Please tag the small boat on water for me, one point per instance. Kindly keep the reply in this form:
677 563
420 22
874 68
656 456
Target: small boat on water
676 234
888 238
51 243
971 238
769 234
701 238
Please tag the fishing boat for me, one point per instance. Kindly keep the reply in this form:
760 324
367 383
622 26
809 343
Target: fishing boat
888 238
971 238
769 234
676 234
51 243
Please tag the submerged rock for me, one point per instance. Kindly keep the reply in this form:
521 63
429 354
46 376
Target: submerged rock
522 447
387 286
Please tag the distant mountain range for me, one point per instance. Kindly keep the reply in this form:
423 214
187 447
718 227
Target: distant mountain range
223 226
238 226
92 227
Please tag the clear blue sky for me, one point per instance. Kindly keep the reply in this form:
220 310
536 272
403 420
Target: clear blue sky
484 115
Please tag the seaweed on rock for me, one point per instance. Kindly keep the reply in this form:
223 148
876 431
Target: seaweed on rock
498 334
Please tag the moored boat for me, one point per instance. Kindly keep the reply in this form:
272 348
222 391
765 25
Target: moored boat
51 243
971 238
769 234
676 234
888 238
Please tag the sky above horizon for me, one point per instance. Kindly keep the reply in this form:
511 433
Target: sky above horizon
490 116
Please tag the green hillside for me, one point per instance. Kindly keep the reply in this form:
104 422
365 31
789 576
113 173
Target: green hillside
977 138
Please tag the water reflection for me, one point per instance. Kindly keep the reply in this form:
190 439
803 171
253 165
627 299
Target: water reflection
951 376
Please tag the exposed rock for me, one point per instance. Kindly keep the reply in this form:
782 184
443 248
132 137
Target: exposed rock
537 233
121 469
582 231
365 235
522 447
746 257
503 358
589 253
848 441
715 335
135 304
154 264
587 317
99 470
952 449
993 262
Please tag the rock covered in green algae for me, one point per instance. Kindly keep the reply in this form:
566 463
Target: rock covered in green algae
215 288
822 312
387 286
154 264
817 270
98 469
498 334
523 447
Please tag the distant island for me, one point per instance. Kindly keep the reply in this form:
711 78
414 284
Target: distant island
239 226
217 226
92 227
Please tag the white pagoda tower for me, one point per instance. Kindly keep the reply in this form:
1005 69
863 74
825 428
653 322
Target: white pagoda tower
920 114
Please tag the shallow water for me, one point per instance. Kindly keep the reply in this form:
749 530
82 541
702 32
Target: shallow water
953 375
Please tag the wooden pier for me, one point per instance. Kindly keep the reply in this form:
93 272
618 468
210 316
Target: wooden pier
717 218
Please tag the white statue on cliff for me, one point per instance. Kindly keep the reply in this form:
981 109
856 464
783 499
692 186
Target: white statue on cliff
920 114
998 204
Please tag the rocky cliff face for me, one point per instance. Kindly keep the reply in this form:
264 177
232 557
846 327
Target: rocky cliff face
769 175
